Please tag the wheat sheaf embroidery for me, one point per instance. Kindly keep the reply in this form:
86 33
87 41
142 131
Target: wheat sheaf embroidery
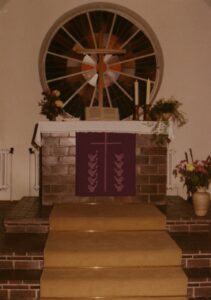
119 171
92 171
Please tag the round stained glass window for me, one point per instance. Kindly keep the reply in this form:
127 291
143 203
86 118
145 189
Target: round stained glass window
95 53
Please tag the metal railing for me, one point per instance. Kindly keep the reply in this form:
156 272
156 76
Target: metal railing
6 170
34 170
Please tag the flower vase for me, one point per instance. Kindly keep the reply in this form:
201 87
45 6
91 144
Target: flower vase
201 201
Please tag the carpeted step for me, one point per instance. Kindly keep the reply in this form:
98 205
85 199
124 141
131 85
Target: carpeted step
139 258
106 217
111 249
113 282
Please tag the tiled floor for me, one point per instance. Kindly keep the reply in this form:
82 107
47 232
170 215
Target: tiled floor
179 209
23 242
30 208
17 275
194 242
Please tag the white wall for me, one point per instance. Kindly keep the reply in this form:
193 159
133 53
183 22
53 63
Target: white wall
183 29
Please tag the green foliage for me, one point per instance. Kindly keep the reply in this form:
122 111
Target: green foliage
163 109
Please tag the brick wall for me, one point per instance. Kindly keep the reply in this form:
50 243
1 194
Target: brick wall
151 169
58 169
19 289
24 261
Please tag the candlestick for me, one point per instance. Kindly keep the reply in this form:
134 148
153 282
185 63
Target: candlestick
186 157
136 92
136 113
148 92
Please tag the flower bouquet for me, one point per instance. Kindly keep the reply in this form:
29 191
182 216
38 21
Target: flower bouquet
51 105
194 173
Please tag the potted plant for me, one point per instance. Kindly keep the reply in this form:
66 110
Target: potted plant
163 110
51 105
165 113
196 175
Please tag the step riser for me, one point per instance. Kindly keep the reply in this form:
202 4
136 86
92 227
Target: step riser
123 293
188 226
24 289
175 226
196 261
115 282
15 261
26 228
28 262
128 249
122 298
13 289
25 217
198 290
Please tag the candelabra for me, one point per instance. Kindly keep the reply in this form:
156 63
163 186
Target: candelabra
146 110
136 113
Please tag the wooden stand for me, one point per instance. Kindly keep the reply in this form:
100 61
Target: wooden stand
136 113
146 109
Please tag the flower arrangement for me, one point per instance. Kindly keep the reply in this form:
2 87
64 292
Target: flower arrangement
51 105
163 109
165 113
194 173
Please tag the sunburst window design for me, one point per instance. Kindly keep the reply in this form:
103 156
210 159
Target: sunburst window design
95 53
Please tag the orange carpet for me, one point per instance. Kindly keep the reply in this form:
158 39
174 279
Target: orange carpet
111 251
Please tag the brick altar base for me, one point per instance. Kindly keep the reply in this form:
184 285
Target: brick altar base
58 169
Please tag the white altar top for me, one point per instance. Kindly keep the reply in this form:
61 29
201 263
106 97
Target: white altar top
138 127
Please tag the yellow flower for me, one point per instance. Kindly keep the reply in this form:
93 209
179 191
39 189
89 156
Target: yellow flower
59 103
56 93
190 167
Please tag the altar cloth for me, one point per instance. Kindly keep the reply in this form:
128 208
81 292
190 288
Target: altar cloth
137 127
105 164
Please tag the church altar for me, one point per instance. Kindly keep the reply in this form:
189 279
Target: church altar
58 143
137 127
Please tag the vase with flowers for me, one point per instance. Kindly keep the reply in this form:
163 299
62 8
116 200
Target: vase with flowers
196 175
51 104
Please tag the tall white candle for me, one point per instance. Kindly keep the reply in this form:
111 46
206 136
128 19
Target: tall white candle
136 88
148 92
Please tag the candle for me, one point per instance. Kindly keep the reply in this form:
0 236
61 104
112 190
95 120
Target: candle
148 92
136 92
186 157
